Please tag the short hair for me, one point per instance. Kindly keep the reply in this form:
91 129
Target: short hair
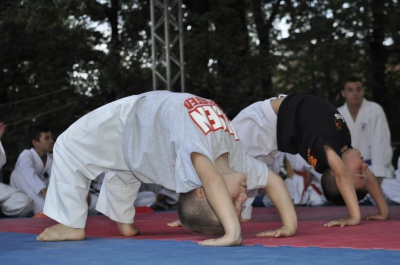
197 216
349 78
331 191
35 131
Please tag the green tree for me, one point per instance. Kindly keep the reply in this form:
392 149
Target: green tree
330 39
38 50
62 58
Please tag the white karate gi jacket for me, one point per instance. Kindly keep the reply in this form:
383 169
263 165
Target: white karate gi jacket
13 202
29 176
371 135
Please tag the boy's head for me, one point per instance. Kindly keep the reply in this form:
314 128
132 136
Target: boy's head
41 138
196 214
331 191
356 165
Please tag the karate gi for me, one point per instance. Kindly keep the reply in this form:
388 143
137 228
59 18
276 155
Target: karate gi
147 195
13 202
256 128
304 124
391 187
295 183
371 135
30 175
145 138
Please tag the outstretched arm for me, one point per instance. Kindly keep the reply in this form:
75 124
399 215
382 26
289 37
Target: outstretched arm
375 190
345 184
279 195
218 197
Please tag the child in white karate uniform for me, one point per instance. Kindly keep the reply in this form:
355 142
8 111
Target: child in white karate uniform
170 139
310 126
33 168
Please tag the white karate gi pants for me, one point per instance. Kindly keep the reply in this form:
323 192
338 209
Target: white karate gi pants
89 147
13 202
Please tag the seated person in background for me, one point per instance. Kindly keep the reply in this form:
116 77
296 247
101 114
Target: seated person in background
302 182
33 168
32 171
13 202
391 186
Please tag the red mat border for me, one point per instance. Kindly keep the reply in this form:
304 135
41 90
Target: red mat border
310 233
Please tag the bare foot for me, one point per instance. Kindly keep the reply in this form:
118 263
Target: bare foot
61 232
127 229
176 223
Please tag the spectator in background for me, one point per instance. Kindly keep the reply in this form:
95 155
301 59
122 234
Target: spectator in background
391 186
369 130
13 202
33 168
368 127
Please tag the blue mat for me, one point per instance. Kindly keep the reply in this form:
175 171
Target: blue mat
17 248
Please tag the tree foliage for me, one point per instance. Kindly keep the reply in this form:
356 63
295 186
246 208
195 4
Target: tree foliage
60 59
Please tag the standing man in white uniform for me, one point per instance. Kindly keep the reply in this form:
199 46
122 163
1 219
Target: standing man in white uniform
369 132
13 202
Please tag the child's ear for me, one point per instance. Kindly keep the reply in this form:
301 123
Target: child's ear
200 192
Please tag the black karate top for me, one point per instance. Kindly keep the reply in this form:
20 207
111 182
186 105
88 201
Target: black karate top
306 123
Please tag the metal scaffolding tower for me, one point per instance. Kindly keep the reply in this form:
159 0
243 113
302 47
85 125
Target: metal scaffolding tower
167 44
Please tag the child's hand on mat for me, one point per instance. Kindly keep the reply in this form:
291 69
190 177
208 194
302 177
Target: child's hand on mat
343 222
176 223
224 241
378 217
284 231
